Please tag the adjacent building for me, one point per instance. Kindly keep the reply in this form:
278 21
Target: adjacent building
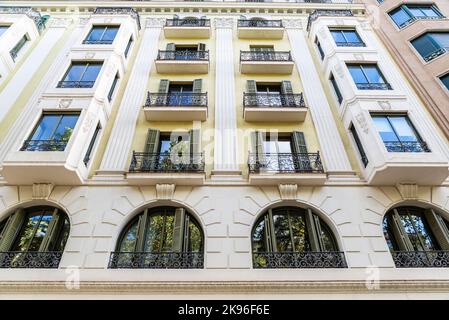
184 149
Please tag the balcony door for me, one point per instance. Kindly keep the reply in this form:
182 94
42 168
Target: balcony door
279 152
269 94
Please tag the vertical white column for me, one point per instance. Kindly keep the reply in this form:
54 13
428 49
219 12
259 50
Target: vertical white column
331 145
119 144
225 147
9 95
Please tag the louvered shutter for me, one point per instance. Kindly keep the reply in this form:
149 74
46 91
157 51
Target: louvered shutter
11 230
162 99
400 235
257 149
51 234
438 228
251 98
141 228
151 158
195 146
312 231
178 229
301 157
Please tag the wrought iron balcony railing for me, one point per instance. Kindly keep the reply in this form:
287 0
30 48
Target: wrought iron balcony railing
120 10
273 100
44 145
187 22
259 23
98 41
421 259
349 44
265 56
327 12
373 86
163 260
406 146
275 260
176 99
76 84
285 163
436 54
167 162
31 13
30 259
413 19
183 55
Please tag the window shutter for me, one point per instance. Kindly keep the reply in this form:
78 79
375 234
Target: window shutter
152 143
257 147
201 47
195 145
163 86
267 231
319 233
197 85
171 47
438 228
11 230
141 226
52 233
300 149
251 86
400 235
178 229
186 235
272 233
312 231
286 87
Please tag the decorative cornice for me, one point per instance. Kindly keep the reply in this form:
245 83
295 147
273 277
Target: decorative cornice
224 23
28 11
292 23
154 22
120 10
327 12
59 22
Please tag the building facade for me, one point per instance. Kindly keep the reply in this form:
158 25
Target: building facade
189 149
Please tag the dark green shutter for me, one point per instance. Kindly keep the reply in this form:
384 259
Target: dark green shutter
201 47
257 147
302 161
271 231
438 228
141 226
178 229
312 231
268 235
51 234
171 47
251 88
163 86
195 145
11 230
152 142
162 98
400 235
286 87
197 85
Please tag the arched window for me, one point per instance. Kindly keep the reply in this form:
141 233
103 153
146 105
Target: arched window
291 237
162 237
34 237
417 237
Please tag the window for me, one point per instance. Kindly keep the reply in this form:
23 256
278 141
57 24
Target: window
128 46
407 13
34 238
445 80
346 38
359 145
431 45
262 94
398 134
320 50
416 236
162 237
52 132
81 75
90 149
15 51
368 77
3 29
291 237
336 89
101 35
112 89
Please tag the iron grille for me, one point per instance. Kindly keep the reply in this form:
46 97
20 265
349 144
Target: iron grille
163 260
285 163
167 162
277 260
30 259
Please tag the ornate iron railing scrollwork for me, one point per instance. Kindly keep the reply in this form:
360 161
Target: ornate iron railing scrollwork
30 259
435 54
167 162
176 99
350 44
273 100
327 12
277 260
188 55
162 260
265 56
30 12
373 86
44 145
120 10
421 259
413 19
76 84
285 163
187 22
98 41
259 23
406 146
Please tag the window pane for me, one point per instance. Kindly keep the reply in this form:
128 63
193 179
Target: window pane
63 236
424 45
351 36
259 240
95 33
46 127
417 12
92 72
384 129
388 234
373 74
153 238
195 240
441 38
301 242
399 16
40 233
417 232
445 80
129 240
33 232
430 12
75 72
282 233
338 36
65 127
168 234
326 238
403 129
357 74
110 33
3 30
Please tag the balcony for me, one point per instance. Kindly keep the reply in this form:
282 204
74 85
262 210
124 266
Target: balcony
435 54
182 61
276 107
187 28
373 86
421 259
274 168
176 107
30 259
413 19
160 260
406 146
177 168
294 260
44 145
273 62
260 29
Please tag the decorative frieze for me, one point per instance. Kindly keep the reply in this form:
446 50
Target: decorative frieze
224 23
